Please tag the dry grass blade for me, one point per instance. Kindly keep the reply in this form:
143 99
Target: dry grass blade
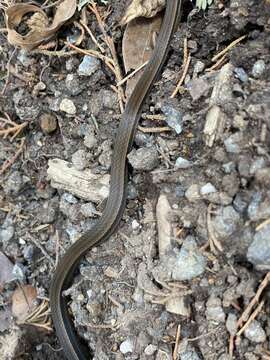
39 317
9 127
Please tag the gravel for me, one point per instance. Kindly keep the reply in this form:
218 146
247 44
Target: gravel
144 158
259 251
80 159
88 66
258 69
174 118
226 222
214 311
67 106
255 333
189 263
182 163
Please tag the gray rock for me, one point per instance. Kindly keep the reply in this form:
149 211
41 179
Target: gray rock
231 324
14 183
18 272
67 106
88 210
255 333
73 85
257 164
109 99
144 158
240 203
193 193
259 250
190 263
80 159
207 189
228 167
150 349
263 176
5 320
199 66
48 211
198 88
88 66
28 252
233 143
230 184
189 355
259 207
258 68
71 199
241 74
127 346
182 163
90 141
225 222
6 234
214 311
25 106
105 158
173 118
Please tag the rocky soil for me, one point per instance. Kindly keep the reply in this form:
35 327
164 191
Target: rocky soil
193 246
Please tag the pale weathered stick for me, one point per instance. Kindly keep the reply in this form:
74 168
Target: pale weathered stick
83 184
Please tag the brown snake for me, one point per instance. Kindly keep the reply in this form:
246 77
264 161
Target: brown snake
112 214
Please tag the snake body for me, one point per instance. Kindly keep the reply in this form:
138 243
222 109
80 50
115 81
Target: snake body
112 214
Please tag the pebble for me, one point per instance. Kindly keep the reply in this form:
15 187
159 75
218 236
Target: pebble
231 324
71 199
255 333
48 123
67 106
109 99
127 346
90 141
256 165
88 66
228 167
73 84
225 222
189 355
199 66
233 143
79 159
241 74
6 234
190 263
193 193
144 158
6 275
182 163
88 210
258 69
198 88
174 118
259 251
14 183
177 305
263 176
18 272
207 189
150 349
214 311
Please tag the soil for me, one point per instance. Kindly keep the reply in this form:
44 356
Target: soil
129 299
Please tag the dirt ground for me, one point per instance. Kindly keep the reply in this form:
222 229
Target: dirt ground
144 294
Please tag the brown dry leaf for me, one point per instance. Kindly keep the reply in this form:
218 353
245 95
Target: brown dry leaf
5 270
40 31
23 302
138 44
145 8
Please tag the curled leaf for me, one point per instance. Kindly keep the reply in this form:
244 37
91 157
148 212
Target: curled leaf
40 30
145 8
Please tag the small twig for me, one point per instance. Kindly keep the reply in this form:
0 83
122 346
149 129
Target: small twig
177 339
263 224
213 241
231 346
251 318
131 74
154 129
255 300
92 36
11 161
13 128
185 70
224 51
41 248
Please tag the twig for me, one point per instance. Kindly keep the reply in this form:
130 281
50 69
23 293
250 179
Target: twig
131 74
14 128
251 318
92 36
177 339
186 66
224 51
154 129
217 64
255 300
11 161
8 71
263 224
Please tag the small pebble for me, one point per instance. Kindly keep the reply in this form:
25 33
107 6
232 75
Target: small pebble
48 123
193 193
173 118
150 349
241 74
79 159
144 158
90 141
88 66
182 163
231 323
68 106
214 311
127 346
258 68
259 250
88 210
207 189
233 143
255 333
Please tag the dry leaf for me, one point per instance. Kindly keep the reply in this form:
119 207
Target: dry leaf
40 31
23 302
145 8
5 270
138 44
